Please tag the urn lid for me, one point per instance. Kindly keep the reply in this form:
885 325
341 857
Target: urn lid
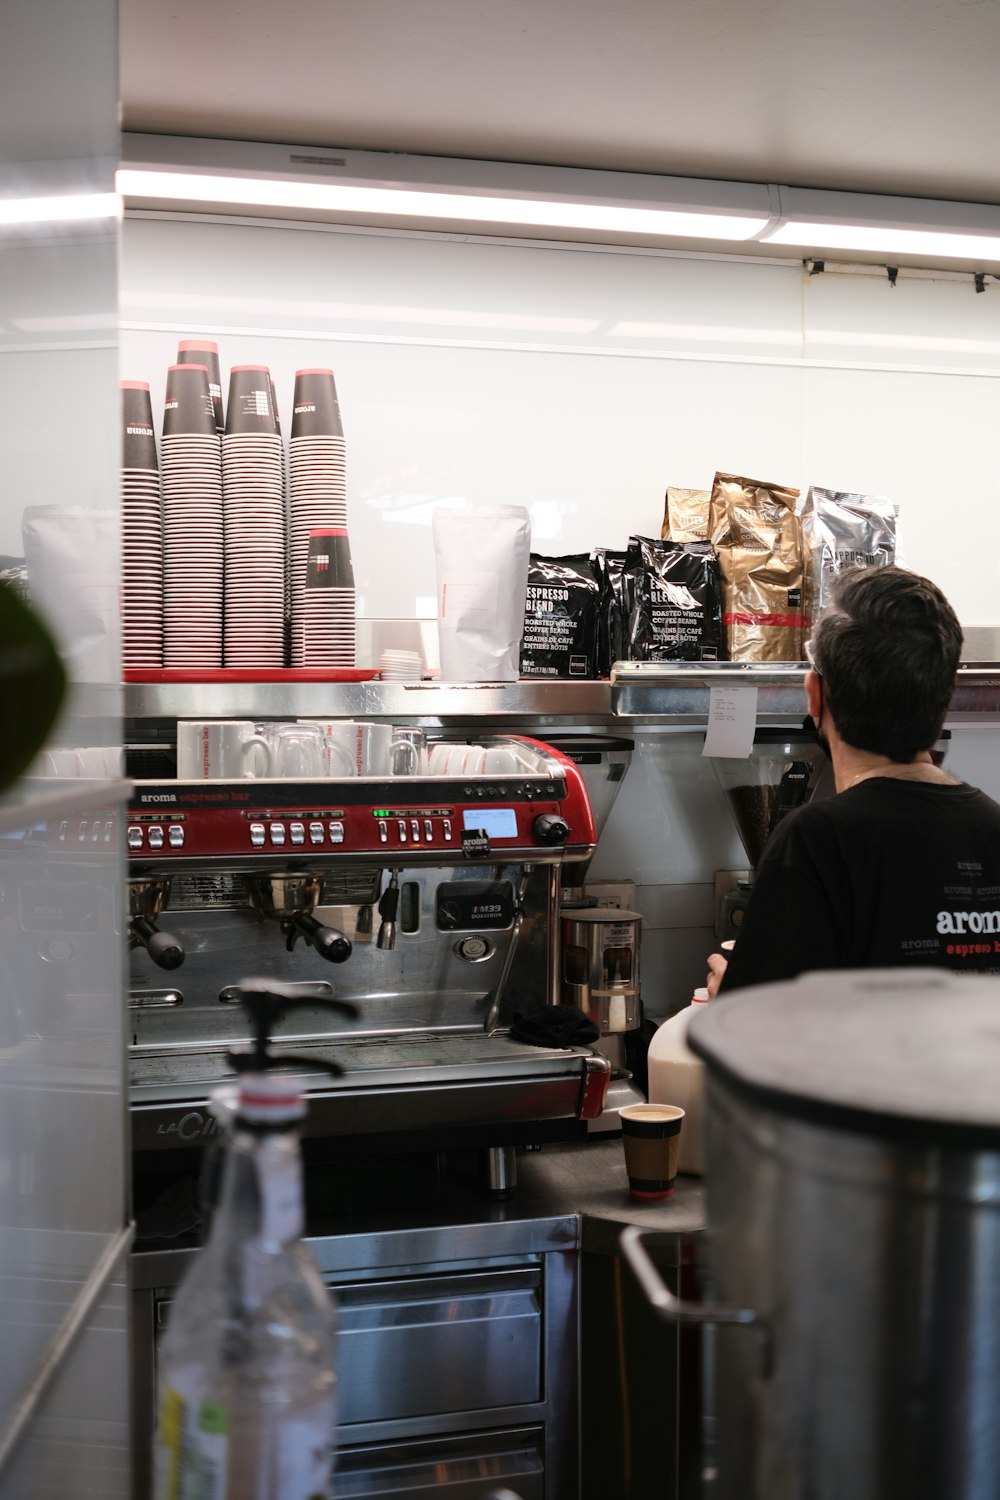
910 1053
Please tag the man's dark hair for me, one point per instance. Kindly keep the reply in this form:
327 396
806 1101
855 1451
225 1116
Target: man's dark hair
887 647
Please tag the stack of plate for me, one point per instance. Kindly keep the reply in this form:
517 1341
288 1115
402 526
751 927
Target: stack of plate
142 532
400 666
254 517
192 522
322 577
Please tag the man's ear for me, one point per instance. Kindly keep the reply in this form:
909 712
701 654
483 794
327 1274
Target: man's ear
814 694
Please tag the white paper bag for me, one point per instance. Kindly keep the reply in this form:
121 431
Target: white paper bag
481 557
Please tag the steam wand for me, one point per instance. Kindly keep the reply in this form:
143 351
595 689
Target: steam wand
266 1001
388 906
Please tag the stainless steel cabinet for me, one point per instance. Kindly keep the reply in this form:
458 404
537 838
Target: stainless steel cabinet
457 1359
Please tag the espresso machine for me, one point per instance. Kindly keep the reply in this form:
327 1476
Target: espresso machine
430 903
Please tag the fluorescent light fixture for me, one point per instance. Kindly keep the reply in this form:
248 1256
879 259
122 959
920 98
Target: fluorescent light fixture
59 208
449 193
454 192
340 198
882 225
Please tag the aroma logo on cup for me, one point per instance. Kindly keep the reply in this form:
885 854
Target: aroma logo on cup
651 1135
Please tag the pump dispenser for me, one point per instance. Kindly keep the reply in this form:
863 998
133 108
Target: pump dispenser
675 1077
246 1376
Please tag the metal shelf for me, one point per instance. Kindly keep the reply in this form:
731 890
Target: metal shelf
639 693
430 704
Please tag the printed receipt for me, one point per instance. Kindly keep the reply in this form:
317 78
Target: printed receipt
732 719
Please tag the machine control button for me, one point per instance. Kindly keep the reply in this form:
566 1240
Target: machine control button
64 829
81 832
175 836
316 833
95 832
383 831
446 829
257 835
109 829
428 830
401 825
156 837
297 832
134 835
336 832
277 833
415 830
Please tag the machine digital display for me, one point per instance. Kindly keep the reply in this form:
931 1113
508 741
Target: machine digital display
496 822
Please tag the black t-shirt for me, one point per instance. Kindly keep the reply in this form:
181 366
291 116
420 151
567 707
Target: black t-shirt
890 872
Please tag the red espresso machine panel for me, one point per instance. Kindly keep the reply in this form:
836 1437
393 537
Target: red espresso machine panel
542 812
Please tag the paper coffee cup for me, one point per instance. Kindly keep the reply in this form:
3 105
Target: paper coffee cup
651 1134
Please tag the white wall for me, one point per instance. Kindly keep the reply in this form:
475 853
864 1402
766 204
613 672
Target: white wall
582 382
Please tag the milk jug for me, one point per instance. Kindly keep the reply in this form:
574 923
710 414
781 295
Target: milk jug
675 1077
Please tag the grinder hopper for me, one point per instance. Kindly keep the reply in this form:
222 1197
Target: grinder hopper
778 776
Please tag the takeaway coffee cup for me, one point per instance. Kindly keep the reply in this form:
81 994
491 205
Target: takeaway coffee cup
651 1134
223 749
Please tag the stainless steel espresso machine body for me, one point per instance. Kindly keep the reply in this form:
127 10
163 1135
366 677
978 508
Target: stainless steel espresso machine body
430 902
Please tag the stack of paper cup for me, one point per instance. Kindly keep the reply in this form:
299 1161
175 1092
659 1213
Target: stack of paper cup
205 352
192 522
142 532
254 515
322 577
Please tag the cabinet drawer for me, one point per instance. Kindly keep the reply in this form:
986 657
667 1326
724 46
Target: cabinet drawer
471 1467
466 1342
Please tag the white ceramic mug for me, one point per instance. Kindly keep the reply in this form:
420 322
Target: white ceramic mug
500 760
368 745
220 749
99 761
457 760
373 749
58 762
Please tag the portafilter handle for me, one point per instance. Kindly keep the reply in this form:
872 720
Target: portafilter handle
166 951
328 942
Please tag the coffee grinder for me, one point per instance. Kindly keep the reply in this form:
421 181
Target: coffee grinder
779 775
600 944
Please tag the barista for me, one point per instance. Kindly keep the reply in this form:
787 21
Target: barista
902 866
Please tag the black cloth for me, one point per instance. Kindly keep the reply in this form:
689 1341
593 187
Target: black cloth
887 873
554 1026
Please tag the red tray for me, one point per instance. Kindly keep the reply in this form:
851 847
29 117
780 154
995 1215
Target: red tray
249 674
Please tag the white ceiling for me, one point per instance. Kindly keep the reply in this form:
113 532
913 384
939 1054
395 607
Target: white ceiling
895 96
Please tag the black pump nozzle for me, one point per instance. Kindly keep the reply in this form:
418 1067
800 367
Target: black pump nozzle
265 1002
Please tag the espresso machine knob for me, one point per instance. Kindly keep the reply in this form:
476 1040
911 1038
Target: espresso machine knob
550 829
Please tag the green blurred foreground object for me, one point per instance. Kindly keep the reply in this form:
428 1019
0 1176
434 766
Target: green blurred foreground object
32 686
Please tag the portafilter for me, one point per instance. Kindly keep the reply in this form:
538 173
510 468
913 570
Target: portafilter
290 900
146 899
